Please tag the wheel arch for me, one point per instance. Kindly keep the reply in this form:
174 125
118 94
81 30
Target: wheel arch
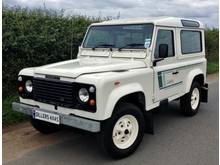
194 75
132 93
136 98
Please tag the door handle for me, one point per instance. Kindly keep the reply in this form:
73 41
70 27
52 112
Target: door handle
175 72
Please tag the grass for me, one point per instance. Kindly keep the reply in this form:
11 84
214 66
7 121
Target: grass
11 117
8 115
212 67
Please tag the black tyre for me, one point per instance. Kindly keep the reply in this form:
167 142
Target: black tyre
122 133
190 102
43 127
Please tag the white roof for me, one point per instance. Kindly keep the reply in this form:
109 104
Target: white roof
159 21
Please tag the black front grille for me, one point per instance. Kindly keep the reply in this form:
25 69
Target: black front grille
55 92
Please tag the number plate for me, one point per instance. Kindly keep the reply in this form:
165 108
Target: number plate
48 117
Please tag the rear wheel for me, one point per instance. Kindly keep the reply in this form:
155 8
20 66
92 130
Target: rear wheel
43 127
122 133
190 102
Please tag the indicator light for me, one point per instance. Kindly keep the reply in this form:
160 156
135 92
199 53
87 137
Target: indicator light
20 89
117 83
92 102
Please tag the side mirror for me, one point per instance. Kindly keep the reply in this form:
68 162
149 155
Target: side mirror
163 51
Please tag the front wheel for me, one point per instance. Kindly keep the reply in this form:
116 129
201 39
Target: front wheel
122 133
190 102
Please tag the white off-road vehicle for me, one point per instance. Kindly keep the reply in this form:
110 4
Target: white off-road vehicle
125 70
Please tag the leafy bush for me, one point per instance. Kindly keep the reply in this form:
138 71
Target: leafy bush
212 44
9 116
36 37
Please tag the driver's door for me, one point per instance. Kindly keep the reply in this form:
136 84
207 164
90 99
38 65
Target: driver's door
167 79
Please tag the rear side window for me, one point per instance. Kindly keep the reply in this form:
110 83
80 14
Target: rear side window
191 42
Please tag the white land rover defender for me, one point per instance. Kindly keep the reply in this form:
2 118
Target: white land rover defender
125 70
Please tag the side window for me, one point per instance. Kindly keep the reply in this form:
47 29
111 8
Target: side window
191 42
164 37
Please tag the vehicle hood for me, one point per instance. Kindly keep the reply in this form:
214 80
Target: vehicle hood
77 67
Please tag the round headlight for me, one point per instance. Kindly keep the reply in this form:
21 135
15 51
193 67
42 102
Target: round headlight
28 86
83 95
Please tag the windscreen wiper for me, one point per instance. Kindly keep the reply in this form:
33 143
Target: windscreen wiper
131 45
102 45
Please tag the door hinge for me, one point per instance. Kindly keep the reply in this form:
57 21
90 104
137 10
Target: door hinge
153 97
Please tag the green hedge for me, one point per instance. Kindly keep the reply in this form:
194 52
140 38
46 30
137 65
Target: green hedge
212 44
36 37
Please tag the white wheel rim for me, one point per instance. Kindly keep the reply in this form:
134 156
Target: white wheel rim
125 131
195 98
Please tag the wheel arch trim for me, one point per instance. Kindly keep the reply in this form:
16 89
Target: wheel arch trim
117 94
195 74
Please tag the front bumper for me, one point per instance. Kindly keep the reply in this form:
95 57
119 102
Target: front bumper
73 121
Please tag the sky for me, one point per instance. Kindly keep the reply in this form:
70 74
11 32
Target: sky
206 11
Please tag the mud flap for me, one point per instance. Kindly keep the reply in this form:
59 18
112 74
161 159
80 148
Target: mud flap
204 91
148 117
164 105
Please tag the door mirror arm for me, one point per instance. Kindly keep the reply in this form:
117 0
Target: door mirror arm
157 60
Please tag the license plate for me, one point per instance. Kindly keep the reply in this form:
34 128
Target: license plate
48 117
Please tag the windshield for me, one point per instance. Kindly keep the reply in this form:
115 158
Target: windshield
135 36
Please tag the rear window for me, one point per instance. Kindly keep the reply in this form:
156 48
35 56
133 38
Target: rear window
191 41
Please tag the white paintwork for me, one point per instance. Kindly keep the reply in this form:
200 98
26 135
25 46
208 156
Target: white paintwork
77 67
158 21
